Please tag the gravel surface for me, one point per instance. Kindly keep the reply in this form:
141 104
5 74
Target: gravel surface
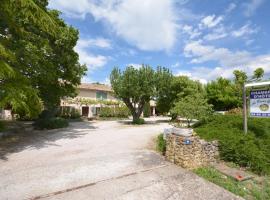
97 160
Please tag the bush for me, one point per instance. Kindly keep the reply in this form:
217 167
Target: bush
117 112
147 110
250 150
69 113
161 144
50 123
138 121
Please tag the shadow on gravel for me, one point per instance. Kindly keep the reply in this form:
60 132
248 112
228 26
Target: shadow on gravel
41 139
147 122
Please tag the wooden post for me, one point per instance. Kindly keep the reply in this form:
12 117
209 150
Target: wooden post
244 110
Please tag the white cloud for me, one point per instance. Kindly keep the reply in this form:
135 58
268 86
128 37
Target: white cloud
244 30
217 33
98 42
251 7
93 62
231 7
146 24
211 21
227 60
192 32
74 9
135 65
175 65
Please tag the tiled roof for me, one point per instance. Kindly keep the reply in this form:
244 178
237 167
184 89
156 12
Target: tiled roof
95 86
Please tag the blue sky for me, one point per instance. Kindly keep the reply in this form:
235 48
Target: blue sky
203 39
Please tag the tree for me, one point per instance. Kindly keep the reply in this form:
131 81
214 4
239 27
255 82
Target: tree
37 56
176 87
258 73
192 106
222 94
136 86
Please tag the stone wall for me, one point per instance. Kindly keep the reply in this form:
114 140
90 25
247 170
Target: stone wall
190 152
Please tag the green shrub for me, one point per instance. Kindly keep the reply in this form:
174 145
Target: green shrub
114 112
250 150
2 126
161 144
138 121
147 110
50 123
69 113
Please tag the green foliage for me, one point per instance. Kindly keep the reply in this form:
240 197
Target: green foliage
138 121
161 144
147 110
222 94
174 89
251 189
38 62
250 150
69 113
2 126
114 112
193 106
258 73
85 101
50 123
225 94
135 86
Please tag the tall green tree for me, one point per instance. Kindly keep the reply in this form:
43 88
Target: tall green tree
222 94
137 86
176 87
37 56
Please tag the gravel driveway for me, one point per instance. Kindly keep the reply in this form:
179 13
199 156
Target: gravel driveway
97 160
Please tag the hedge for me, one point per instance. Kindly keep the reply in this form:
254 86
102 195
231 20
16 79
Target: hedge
118 112
251 150
50 123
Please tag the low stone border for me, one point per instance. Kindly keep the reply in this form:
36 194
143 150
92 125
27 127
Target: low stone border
190 152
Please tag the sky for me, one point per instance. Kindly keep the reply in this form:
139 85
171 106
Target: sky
202 39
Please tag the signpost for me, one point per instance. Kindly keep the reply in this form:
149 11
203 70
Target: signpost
259 101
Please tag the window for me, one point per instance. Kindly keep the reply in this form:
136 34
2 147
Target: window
101 95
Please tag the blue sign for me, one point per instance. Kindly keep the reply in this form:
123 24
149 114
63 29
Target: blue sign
260 103
187 141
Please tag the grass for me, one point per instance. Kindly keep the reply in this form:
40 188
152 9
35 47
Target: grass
161 144
250 189
251 150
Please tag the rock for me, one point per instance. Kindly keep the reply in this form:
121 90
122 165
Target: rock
192 154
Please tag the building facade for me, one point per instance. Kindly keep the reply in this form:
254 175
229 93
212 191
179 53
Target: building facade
91 97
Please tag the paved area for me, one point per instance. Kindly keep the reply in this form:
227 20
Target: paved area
97 160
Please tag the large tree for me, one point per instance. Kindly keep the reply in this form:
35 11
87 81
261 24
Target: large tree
176 87
38 63
222 94
137 86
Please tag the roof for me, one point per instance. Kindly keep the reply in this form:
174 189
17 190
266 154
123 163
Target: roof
95 86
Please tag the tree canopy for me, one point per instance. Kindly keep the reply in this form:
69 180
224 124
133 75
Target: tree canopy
137 86
176 87
192 106
38 65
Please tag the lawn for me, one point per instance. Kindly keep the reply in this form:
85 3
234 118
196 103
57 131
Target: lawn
251 150
258 188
